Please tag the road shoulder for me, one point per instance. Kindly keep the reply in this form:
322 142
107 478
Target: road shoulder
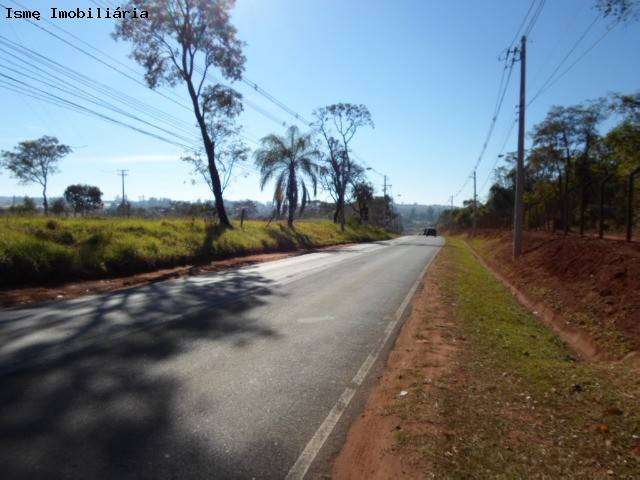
490 391
29 295
422 354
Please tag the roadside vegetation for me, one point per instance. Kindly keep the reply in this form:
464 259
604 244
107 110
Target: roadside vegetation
588 285
578 175
477 387
520 405
40 249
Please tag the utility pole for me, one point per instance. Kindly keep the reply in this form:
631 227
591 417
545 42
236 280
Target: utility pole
384 186
123 173
475 205
518 211
451 214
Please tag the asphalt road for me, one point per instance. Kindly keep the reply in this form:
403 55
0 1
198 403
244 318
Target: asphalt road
226 375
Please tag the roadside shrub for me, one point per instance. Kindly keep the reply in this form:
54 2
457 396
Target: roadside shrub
51 224
28 259
91 253
36 249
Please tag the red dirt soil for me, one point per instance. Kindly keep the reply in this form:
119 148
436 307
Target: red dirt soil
422 353
12 297
593 284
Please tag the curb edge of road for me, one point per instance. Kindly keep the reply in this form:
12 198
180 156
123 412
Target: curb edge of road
326 428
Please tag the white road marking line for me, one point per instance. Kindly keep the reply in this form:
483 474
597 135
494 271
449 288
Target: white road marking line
308 455
364 369
301 466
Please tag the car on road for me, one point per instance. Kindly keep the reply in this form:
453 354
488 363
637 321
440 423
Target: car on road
430 232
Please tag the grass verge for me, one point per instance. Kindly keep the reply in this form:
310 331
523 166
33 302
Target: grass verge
591 285
515 403
39 249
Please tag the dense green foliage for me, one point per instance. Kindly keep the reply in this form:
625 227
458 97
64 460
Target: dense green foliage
572 165
35 249
289 160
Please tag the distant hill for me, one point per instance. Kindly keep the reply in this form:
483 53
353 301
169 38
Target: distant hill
415 216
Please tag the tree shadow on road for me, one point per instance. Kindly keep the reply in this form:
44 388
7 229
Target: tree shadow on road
88 397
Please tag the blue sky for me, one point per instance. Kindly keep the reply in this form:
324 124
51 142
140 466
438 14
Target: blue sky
428 71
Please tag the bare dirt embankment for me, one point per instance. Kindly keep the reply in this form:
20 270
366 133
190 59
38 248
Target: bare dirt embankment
588 288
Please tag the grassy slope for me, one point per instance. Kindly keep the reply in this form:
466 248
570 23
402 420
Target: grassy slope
518 405
592 284
38 249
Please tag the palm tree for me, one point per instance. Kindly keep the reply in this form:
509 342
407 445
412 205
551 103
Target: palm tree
290 160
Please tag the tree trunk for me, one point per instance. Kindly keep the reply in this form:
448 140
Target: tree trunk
601 209
45 204
338 216
292 194
559 206
565 202
216 185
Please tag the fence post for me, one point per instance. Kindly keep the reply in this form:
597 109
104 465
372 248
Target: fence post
630 203
601 219
241 219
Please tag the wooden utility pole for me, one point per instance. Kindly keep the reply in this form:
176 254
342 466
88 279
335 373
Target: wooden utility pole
123 173
475 204
518 211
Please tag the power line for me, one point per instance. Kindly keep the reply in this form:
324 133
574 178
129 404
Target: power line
79 93
85 52
42 61
108 65
534 19
494 119
101 52
509 60
564 59
39 93
515 36
498 106
248 82
504 84
275 101
176 100
576 61
500 154
568 27
22 53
